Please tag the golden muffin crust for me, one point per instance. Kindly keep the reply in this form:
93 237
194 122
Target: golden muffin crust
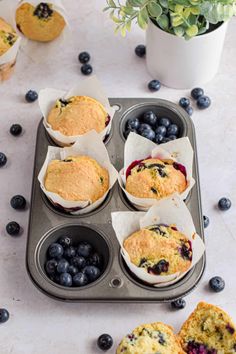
150 338
160 249
7 36
211 328
40 23
154 178
77 178
77 116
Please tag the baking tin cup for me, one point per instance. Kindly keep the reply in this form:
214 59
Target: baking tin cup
91 145
118 283
138 148
90 87
169 211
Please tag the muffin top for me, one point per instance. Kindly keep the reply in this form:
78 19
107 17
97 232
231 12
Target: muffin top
150 338
41 23
77 115
77 178
159 249
7 36
208 330
155 178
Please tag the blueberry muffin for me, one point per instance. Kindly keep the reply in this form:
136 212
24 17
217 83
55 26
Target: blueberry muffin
156 338
208 330
41 23
8 38
78 115
160 250
155 178
77 178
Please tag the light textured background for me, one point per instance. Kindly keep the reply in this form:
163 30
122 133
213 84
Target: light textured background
39 324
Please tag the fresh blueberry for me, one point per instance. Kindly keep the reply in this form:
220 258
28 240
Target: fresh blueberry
197 92
105 342
65 241
217 284
144 126
161 130
18 202
62 266
84 57
13 228
16 129
78 262
158 138
55 278
165 121
172 137
173 129
72 270
51 266
189 110
206 221
150 118
31 96
55 250
184 102
95 260
224 204
80 279
92 272
140 50
86 69
84 249
132 123
3 159
148 133
203 102
178 304
154 85
70 252
65 279
4 315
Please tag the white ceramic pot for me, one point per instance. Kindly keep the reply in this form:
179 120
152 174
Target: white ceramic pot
180 63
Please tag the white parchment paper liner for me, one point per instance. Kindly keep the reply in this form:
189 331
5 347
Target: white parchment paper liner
139 148
89 87
6 11
90 144
169 211
40 51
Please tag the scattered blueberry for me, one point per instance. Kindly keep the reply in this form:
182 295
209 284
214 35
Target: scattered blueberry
84 57
92 272
3 159
86 69
224 204
16 129
148 133
84 249
206 221
51 266
178 304
55 250
95 260
65 279
161 130
154 85
80 279
65 241
165 121
140 50
158 138
144 126
4 315
78 262
31 96
62 266
173 129
132 123
13 228
105 342
184 102
72 270
189 110
150 118
18 202
203 102
70 252
172 137
197 92
217 284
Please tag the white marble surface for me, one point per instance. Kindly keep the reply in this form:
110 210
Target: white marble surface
39 324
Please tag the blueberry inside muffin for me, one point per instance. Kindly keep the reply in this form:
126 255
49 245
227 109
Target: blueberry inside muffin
7 36
160 250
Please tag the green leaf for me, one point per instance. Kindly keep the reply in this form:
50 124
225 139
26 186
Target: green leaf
128 25
116 19
135 3
179 31
123 31
128 10
154 9
143 18
176 20
164 3
179 8
111 3
192 31
163 22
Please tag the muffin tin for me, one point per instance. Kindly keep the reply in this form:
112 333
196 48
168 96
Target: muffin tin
47 224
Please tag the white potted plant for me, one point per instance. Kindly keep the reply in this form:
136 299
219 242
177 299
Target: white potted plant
184 38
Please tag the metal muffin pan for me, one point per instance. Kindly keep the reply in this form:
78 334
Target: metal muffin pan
117 283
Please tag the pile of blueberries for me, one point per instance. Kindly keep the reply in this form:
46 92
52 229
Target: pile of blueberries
73 265
86 68
159 130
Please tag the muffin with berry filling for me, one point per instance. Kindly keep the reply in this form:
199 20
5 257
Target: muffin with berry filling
208 330
150 338
78 115
77 178
155 178
8 38
160 250
39 23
